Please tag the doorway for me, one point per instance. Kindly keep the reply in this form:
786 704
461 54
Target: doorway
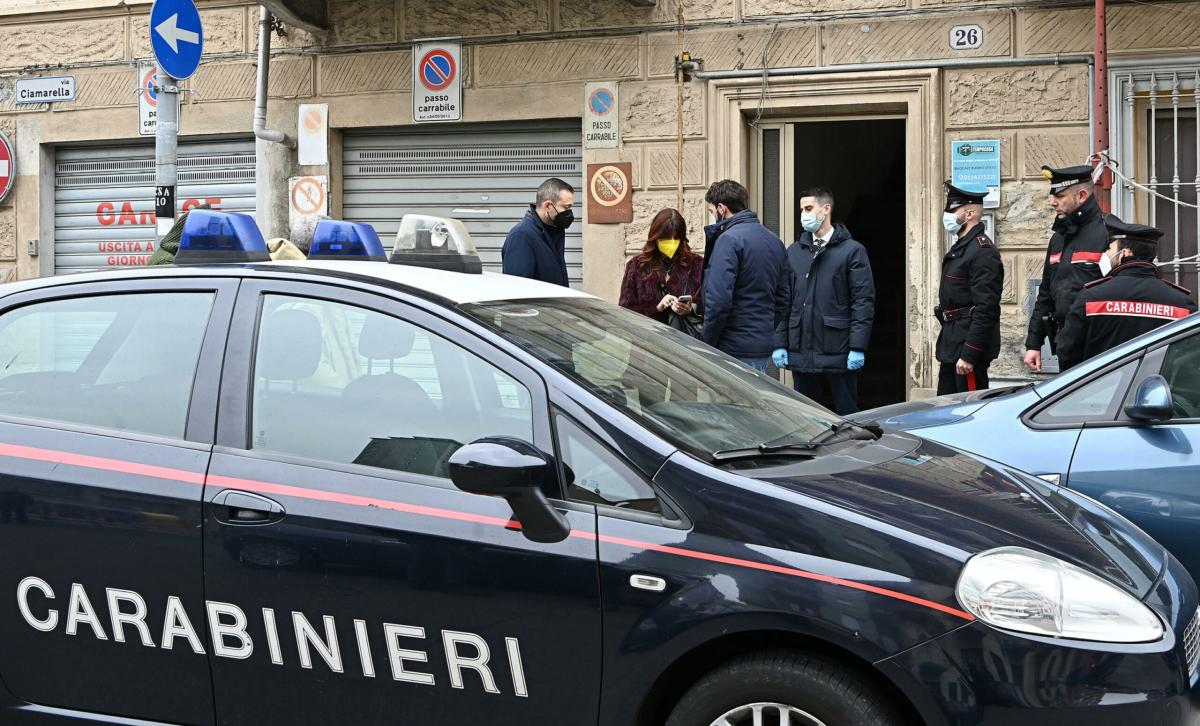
862 162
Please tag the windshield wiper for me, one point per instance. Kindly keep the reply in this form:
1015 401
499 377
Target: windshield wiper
791 448
848 430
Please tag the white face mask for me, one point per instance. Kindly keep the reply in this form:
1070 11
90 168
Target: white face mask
950 222
811 222
1106 264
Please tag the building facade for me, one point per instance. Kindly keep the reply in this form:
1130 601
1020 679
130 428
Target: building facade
864 96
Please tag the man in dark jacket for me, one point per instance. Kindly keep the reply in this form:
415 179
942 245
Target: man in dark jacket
831 308
745 281
1072 259
968 297
537 247
1129 300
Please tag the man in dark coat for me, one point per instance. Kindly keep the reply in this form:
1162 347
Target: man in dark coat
745 280
968 297
1131 299
831 309
1072 259
537 247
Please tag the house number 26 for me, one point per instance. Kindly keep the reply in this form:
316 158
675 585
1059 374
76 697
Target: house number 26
966 37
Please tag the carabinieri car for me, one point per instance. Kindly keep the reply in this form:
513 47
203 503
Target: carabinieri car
371 494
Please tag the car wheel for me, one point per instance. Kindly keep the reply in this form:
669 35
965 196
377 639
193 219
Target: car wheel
783 689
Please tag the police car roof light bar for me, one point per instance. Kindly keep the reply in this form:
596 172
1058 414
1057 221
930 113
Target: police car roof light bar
440 243
335 239
214 237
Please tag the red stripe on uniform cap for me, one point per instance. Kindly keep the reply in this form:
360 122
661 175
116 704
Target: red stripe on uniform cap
192 477
782 570
1077 257
1131 308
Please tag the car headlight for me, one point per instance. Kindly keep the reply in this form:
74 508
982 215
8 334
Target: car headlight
1018 589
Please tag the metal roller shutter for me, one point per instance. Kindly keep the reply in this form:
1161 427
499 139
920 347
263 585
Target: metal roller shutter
482 174
104 197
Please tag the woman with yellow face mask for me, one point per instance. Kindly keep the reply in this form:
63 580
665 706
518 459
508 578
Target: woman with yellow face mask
665 276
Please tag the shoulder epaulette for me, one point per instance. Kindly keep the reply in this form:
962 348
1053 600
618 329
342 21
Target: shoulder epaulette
984 242
1180 288
1093 283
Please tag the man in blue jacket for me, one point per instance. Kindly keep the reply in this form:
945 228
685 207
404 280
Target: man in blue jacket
745 280
824 337
537 247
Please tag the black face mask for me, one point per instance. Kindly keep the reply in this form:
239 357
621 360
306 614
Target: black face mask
564 219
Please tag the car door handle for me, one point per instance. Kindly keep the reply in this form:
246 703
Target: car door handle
237 507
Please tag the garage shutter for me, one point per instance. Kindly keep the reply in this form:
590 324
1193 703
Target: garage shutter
104 197
485 174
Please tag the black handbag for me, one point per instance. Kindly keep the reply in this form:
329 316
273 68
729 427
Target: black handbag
691 324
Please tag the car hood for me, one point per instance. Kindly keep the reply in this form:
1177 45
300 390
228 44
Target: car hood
968 505
936 411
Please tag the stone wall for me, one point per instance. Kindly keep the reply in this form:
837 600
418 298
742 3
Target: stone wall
362 67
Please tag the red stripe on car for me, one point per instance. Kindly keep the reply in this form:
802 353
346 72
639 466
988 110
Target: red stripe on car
192 477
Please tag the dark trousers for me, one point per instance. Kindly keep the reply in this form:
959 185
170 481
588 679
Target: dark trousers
950 382
843 388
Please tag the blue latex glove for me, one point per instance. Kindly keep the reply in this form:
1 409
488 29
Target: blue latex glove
779 357
856 360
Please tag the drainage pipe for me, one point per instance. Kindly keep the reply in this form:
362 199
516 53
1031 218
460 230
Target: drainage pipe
693 67
264 72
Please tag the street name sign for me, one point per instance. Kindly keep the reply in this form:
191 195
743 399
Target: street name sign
45 90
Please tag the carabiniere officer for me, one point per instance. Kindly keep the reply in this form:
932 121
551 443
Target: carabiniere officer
1072 259
1131 298
968 297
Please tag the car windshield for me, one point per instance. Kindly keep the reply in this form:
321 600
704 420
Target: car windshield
693 395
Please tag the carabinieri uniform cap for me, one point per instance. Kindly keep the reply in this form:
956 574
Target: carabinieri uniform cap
1060 179
1133 232
956 197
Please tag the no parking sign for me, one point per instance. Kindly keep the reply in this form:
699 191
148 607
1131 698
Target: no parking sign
437 82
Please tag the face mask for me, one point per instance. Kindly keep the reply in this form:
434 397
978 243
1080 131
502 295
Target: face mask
564 219
717 218
1106 264
951 223
810 222
668 246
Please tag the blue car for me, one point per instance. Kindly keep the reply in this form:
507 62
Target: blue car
1122 428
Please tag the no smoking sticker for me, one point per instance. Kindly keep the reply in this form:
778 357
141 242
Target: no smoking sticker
309 197
610 193
609 186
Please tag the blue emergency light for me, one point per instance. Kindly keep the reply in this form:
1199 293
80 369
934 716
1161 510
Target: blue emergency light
210 237
337 240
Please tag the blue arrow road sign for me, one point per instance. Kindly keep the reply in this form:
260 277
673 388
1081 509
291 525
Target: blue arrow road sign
176 36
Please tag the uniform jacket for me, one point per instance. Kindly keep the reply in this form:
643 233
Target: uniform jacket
536 250
745 286
642 289
972 278
1129 301
832 305
1072 260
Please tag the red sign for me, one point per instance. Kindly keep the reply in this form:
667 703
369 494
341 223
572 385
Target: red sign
8 167
109 213
437 70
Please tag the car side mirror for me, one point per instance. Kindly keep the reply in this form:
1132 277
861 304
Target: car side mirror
1151 401
514 470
